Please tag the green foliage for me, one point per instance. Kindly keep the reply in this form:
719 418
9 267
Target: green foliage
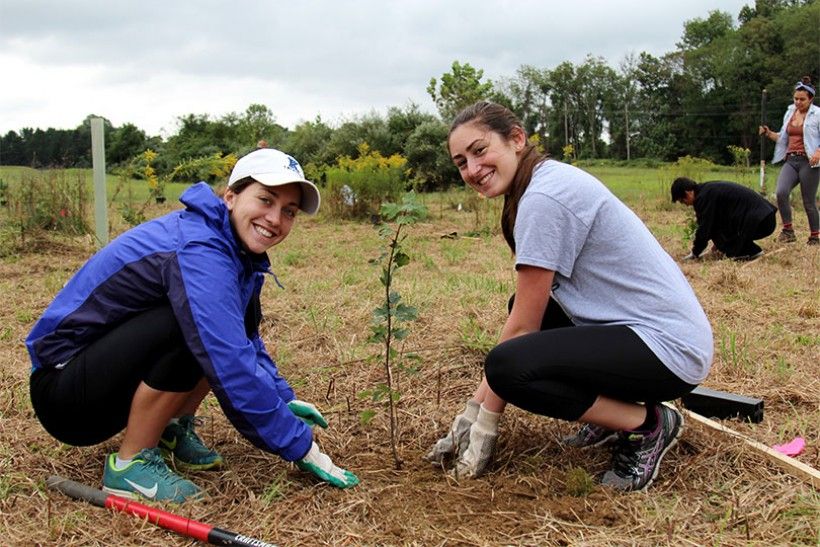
474 338
579 483
691 227
124 143
212 169
308 143
689 167
702 32
740 155
458 89
392 312
51 200
357 187
276 489
741 163
156 186
428 160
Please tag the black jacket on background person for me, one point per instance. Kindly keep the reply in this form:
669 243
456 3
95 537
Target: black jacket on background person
732 216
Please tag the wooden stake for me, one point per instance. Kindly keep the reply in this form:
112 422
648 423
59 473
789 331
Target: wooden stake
793 467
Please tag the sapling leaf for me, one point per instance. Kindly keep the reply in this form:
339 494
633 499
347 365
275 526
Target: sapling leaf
406 313
410 369
380 392
366 415
401 259
381 313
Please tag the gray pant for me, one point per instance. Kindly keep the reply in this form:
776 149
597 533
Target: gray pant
796 171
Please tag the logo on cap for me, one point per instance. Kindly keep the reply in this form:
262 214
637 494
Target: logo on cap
293 165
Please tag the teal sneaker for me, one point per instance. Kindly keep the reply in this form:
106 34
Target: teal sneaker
148 477
181 441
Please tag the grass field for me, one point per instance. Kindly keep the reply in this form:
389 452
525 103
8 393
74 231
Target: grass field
712 490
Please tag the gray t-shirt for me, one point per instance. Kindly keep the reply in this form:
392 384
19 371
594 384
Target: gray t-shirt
609 269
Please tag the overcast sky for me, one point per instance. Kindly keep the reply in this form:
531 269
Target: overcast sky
150 62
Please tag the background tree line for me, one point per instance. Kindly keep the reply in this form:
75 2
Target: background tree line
696 100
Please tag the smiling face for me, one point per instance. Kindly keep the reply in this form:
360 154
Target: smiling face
262 216
802 100
486 160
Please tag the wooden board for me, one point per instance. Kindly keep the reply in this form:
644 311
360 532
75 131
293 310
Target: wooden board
793 467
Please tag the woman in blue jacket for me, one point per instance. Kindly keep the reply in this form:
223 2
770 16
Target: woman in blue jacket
164 314
798 142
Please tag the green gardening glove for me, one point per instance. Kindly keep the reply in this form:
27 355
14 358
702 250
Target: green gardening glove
322 467
307 413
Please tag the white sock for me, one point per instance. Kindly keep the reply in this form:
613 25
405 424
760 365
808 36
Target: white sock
487 419
120 464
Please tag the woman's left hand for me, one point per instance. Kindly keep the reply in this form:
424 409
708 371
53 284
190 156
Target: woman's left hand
307 413
479 454
814 160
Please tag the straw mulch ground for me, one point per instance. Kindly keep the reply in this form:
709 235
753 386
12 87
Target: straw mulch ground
712 489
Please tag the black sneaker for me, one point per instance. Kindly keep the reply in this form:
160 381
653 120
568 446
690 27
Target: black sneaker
748 258
786 236
637 455
590 435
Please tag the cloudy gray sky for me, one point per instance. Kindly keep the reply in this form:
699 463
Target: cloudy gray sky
151 61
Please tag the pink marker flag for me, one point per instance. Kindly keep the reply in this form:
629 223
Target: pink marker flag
792 448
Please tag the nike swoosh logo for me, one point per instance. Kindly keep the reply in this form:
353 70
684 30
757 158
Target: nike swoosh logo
169 445
147 492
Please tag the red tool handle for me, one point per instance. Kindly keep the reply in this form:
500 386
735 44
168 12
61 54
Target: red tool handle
169 521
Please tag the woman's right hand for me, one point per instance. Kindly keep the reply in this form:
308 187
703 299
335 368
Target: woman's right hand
763 130
320 464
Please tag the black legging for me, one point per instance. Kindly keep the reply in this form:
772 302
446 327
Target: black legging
88 401
742 243
561 370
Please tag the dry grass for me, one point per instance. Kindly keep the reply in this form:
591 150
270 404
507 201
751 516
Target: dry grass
712 489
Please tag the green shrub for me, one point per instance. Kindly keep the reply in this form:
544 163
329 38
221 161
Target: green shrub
43 202
688 166
357 187
212 169
50 200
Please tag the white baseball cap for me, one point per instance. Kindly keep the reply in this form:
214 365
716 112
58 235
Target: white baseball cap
274 168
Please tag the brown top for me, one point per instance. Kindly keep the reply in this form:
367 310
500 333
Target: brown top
795 133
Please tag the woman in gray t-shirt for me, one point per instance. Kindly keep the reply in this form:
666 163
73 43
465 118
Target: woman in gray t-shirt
603 325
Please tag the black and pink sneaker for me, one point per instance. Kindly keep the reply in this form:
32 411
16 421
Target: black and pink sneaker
590 435
637 455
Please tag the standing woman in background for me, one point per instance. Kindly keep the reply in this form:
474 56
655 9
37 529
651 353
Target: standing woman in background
799 143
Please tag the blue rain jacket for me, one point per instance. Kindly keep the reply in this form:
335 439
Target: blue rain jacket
192 259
